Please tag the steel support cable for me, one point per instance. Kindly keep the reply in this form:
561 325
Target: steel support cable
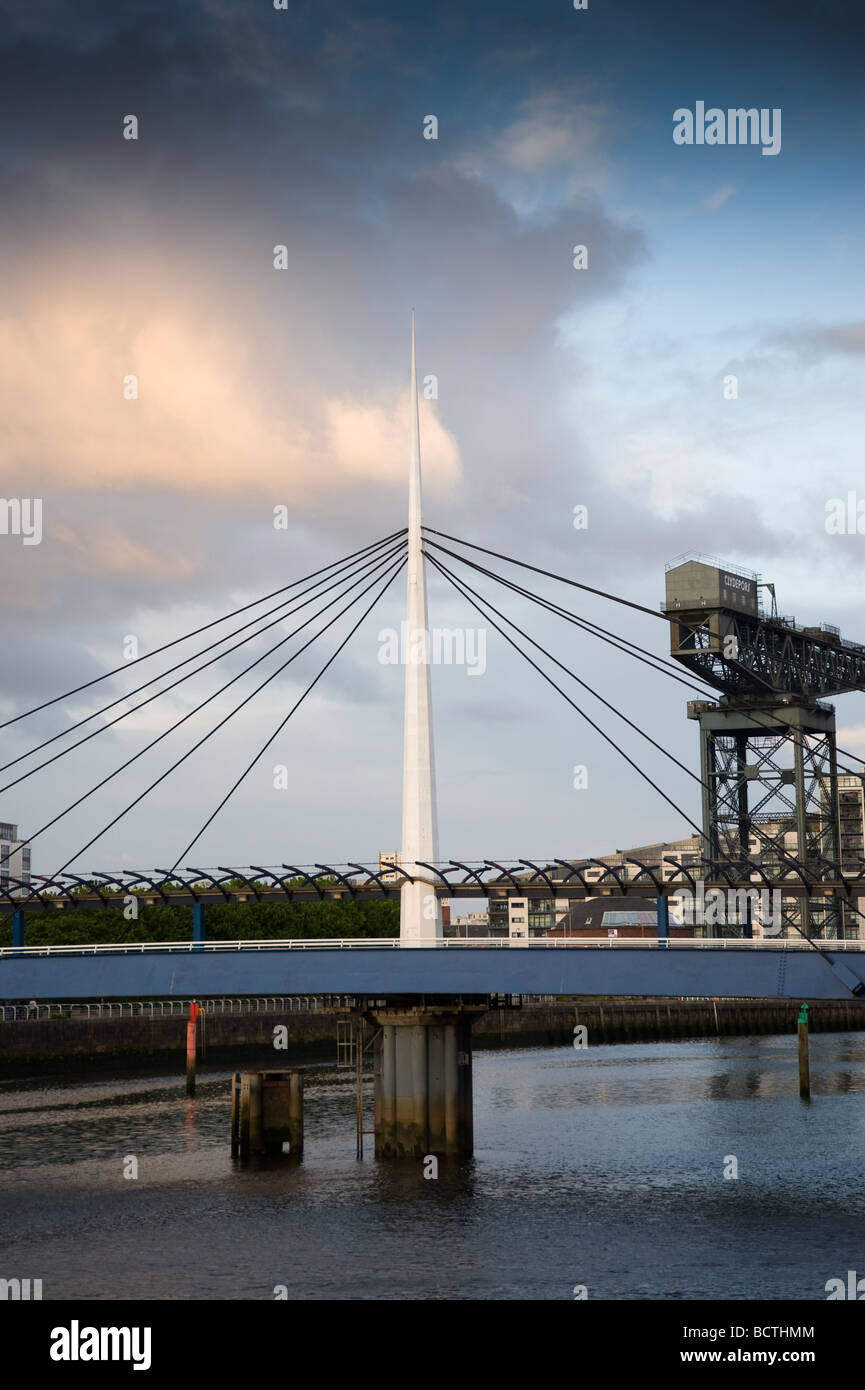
204 628
466 590
667 754
601 593
457 584
655 663
389 577
207 701
667 668
548 574
557 609
613 640
162 674
568 672
670 668
357 572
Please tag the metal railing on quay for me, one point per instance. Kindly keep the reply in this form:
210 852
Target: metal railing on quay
177 1008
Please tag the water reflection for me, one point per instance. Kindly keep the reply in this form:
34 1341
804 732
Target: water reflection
190 1125
602 1167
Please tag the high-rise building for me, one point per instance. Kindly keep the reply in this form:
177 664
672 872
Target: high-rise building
387 857
14 860
851 813
530 916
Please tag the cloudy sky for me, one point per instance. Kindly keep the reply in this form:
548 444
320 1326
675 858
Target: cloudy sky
263 388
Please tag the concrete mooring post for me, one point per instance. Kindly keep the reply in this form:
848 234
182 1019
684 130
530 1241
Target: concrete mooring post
191 1028
266 1112
804 1065
423 1081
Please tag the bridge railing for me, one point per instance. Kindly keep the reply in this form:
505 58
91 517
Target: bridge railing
619 943
167 1008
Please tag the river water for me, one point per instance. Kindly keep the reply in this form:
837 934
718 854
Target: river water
603 1168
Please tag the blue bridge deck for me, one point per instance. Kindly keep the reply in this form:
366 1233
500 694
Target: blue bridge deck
732 968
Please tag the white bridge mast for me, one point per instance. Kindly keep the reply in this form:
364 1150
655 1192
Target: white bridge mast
420 911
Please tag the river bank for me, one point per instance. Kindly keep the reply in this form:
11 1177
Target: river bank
313 1035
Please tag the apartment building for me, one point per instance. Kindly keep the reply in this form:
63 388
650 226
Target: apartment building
14 860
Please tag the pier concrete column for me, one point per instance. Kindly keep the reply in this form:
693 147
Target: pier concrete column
423 1081
267 1112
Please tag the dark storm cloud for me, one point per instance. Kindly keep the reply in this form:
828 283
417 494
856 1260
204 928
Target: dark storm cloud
249 138
303 127
815 343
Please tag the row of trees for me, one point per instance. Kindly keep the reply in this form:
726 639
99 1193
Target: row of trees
276 921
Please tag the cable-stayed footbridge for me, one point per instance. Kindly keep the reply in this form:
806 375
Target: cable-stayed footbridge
769 823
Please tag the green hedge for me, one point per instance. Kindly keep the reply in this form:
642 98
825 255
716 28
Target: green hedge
224 922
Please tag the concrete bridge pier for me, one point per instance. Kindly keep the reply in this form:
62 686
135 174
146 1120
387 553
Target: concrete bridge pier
267 1112
423 1080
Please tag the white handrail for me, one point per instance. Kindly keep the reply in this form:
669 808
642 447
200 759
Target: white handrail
451 943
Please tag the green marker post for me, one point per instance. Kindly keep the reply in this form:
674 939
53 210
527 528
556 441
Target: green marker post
804 1066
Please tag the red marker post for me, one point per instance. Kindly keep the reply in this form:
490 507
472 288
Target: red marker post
190 1048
